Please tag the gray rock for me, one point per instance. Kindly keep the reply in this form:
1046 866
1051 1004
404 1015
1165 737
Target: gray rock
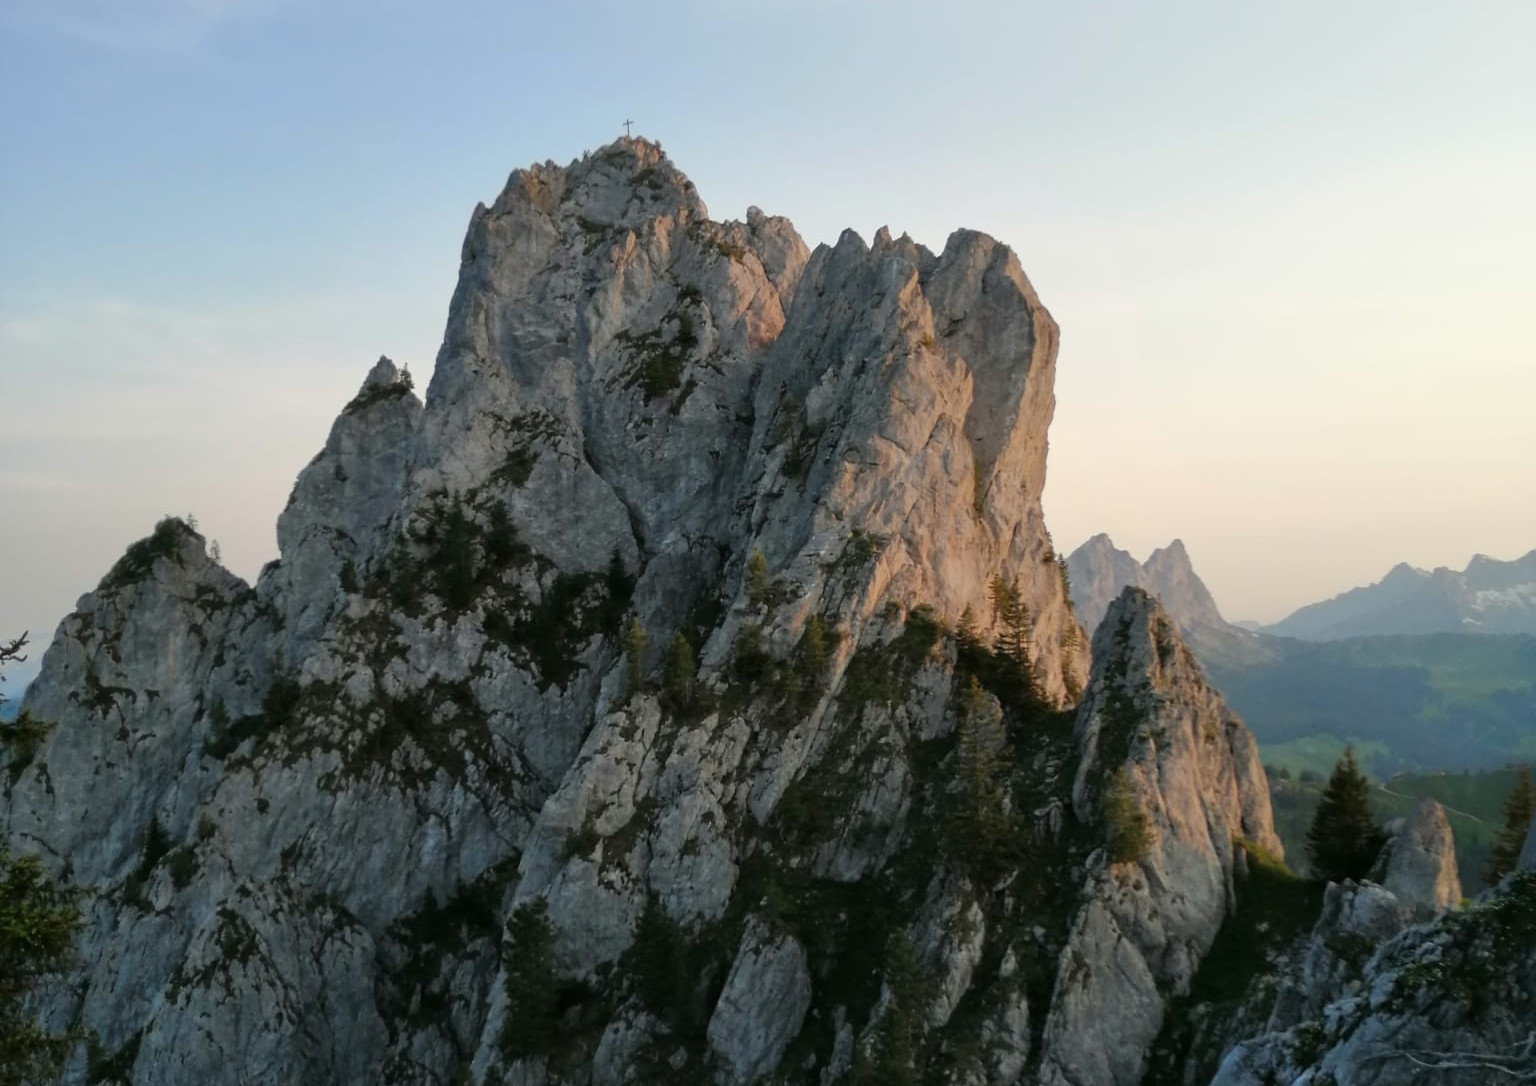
1420 862
1100 571
305 809
762 1005
1194 772
1448 1003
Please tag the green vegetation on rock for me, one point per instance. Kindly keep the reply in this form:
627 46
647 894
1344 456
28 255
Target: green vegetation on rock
531 1026
1519 809
1129 830
38 922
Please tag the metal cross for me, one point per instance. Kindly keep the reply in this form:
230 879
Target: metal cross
627 123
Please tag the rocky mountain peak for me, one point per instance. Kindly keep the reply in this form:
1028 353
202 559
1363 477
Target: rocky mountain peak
652 599
1158 747
628 182
1099 571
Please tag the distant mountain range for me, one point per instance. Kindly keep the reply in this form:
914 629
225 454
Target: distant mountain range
1488 596
1407 699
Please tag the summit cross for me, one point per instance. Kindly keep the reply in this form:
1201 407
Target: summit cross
627 123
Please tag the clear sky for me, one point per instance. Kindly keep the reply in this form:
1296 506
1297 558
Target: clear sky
1292 247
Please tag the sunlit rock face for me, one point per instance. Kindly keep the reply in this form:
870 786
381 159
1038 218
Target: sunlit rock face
446 758
1151 720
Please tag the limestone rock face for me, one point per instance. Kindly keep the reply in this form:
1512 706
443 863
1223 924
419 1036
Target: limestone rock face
342 501
652 602
1192 771
762 1005
1420 862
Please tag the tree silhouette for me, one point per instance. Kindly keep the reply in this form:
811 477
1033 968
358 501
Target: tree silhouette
1519 808
680 675
635 642
1344 838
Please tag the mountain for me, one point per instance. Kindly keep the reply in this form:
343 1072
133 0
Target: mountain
1488 596
602 715
1099 571
686 690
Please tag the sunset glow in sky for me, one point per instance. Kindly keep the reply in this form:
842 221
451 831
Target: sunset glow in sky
1290 246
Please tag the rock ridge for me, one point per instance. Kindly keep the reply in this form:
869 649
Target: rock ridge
686 687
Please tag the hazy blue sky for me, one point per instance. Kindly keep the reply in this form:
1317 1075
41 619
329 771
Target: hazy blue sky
1290 245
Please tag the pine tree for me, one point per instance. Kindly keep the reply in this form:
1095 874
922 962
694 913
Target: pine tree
980 834
658 958
1013 616
757 578
635 641
1519 809
1344 838
38 921
813 654
531 1025
893 1056
968 640
680 674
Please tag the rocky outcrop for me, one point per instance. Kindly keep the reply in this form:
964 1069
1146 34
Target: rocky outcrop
1392 982
1419 862
1178 777
343 500
609 710
1449 1003
762 1005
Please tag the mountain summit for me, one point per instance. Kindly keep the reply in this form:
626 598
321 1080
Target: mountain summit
686 691
1100 571
588 718
1489 596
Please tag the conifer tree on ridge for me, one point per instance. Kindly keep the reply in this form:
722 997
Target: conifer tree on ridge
1344 838
1519 809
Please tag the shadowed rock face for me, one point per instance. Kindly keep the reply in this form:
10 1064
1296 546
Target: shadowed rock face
306 809
1194 773
1376 996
